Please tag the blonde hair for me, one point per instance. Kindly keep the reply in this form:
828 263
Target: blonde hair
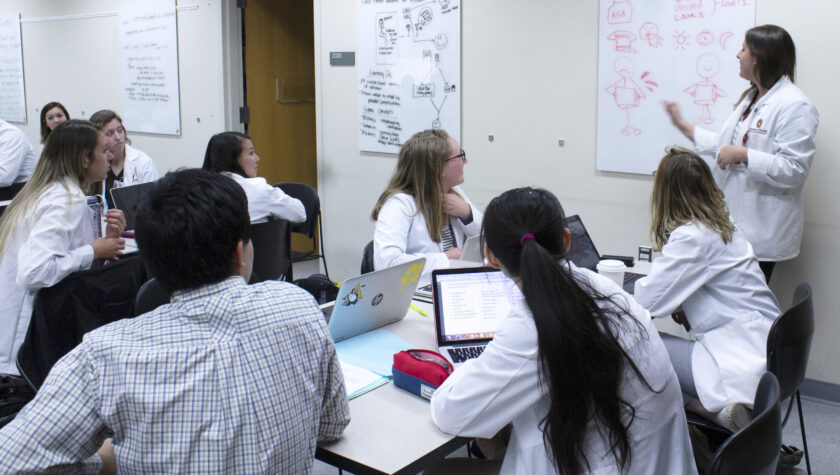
419 173
685 192
66 148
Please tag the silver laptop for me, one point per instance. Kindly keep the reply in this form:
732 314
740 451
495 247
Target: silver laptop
469 305
471 251
372 300
127 199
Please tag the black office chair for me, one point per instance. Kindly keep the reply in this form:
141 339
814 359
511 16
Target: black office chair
788 347
272 242
309 197
755 448
150 296
367 258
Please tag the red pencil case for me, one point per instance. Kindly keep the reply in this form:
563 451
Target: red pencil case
420 371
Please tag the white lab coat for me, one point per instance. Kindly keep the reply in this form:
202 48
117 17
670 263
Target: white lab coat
17 160
266 201
766 197
138 168
401 235
730 309
503 386
49 243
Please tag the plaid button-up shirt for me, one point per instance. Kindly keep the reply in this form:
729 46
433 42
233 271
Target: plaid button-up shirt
228 378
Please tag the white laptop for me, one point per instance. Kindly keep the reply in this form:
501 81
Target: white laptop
469 304
372 300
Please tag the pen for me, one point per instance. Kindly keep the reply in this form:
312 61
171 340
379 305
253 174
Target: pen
418 310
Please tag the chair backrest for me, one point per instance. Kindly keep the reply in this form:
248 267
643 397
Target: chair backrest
789 342
367 258
309 197
755 448
272 242
150 296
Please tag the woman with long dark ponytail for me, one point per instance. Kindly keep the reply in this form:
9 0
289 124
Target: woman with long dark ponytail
578 369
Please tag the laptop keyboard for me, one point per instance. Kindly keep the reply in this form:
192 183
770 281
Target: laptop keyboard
459 355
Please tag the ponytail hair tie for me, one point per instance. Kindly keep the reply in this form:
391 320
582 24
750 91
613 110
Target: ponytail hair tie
524 237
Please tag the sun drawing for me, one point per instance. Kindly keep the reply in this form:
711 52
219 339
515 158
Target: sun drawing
680 40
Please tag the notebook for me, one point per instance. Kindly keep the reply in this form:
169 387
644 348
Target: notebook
127 199
469 304
372 300
583 253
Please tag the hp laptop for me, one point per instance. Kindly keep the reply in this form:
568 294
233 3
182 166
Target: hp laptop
469 305
583 253
127 199
372 300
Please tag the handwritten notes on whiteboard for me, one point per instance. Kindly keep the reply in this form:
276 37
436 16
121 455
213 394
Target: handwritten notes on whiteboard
149 45
12 94
656 50
409 67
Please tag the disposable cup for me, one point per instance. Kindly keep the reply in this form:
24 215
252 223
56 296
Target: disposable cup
614 269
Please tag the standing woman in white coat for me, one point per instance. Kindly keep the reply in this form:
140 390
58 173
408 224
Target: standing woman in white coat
708 272
578 368
763 155
232 153
47 232
423 212
129 166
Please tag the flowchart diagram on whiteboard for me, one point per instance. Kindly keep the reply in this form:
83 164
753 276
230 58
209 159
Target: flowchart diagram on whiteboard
409 70
656 50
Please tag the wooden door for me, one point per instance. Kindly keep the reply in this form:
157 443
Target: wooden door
279 56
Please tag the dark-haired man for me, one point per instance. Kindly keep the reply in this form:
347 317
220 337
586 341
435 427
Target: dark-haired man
227 378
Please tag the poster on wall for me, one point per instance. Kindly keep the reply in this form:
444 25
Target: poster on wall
664 50
12 93
409 70
149 55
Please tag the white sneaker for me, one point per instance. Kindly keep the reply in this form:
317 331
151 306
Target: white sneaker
734 416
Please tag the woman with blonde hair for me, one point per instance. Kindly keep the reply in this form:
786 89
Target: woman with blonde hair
710 277
48 232
423 212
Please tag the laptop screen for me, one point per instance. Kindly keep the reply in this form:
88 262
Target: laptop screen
127 199
470 303
582 250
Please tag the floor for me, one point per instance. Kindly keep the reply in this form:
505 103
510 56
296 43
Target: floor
822 426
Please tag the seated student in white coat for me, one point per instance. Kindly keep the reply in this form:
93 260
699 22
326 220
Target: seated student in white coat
129 166
578 368
47 232
709 273
232 154
17 160
423 212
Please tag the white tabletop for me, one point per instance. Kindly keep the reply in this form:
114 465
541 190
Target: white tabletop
391 430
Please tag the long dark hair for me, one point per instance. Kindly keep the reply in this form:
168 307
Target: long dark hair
582 362
223 151
775 55
45 130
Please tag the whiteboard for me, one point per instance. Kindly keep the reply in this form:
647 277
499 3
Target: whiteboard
655 50
409 70
12 93
149 56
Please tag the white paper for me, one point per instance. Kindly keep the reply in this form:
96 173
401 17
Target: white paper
358 381
409 70
149 46
12 93
656 50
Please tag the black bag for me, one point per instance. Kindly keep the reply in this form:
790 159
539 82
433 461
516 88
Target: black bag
14 394
320 286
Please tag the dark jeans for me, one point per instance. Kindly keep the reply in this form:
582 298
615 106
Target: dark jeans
14 394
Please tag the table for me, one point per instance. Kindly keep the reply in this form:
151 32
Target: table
391 430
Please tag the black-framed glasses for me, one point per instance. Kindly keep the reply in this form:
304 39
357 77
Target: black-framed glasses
462 156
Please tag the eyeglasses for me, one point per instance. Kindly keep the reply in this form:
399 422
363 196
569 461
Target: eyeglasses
462 156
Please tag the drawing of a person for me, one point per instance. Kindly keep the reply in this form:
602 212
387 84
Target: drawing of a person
705 92
626 92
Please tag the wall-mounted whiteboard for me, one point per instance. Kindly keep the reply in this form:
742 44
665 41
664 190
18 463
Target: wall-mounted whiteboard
149 46
409 70
655 50
12 94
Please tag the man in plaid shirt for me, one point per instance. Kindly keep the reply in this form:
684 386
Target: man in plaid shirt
227 378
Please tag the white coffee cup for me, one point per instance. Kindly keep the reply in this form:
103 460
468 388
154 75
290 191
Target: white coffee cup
614 269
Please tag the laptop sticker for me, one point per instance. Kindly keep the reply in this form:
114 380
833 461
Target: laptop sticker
353 297
411 274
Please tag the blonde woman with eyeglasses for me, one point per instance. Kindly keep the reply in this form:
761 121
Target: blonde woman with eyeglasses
709 276
423 212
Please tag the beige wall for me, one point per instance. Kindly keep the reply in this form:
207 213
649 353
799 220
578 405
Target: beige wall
529 77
